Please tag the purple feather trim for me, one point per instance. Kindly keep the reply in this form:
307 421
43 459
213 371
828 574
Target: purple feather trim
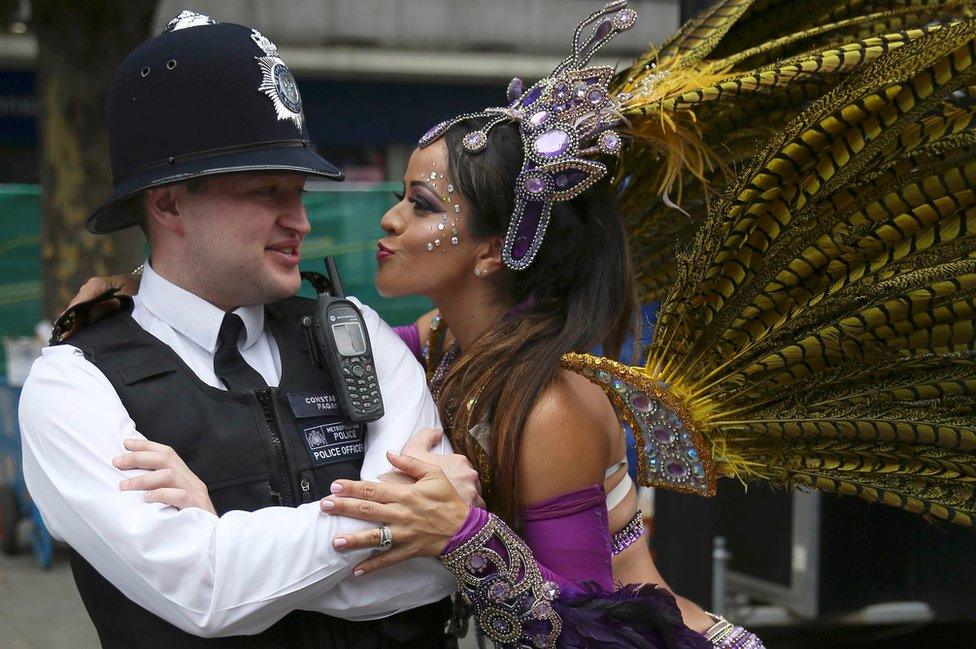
637 615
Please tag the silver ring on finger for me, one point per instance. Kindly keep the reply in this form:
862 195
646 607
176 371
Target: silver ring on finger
386 537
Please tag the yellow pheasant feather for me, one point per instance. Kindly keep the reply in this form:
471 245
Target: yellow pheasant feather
816 163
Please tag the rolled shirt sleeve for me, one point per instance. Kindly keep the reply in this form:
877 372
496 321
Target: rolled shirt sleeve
209 575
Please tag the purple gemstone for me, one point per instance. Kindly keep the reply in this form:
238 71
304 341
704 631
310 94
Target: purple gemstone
603 28
552 143
561 91
432 133
531 96
640 401
538 118
596 96
501 625
625 19
676 469
609 142
477 562
475 141
663 435
540 610
514 89
558 108
570 178
534 184
500 591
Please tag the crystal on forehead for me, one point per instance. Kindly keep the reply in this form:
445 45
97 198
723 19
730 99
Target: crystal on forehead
564 119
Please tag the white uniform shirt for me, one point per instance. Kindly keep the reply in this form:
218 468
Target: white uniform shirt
210 576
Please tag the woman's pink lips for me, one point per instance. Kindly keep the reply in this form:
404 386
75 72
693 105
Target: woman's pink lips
383 252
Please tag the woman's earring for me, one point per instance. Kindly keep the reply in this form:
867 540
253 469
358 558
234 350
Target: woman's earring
478 272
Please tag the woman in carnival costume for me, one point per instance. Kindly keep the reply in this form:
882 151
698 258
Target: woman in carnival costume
811 164
817 325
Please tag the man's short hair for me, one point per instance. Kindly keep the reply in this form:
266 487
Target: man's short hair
193 185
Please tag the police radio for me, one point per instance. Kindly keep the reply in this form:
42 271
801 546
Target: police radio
343 347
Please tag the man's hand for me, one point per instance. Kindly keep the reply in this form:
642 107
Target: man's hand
456 467
423 516
170 481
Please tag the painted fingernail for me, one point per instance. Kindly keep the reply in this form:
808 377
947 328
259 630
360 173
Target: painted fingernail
328 504
358 573
335 487
339 543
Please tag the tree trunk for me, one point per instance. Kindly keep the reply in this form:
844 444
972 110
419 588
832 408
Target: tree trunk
80 44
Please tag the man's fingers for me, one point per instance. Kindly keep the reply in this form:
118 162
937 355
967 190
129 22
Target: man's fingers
423 440
364 510
140 444
140 460
153 480
411 466
178 498
385 559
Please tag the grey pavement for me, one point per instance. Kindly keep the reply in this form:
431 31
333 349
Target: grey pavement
41 609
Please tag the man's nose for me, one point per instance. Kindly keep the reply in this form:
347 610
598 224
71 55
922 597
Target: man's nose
295 217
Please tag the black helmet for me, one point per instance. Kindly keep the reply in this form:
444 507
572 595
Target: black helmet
201 98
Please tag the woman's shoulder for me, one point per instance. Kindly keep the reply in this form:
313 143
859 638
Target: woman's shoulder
568 439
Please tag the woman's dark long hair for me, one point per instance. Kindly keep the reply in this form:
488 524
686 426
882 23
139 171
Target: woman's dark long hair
582 291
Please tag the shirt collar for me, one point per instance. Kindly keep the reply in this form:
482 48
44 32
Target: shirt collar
191 315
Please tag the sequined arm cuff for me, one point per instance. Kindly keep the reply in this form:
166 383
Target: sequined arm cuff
725 635
628 534
498 576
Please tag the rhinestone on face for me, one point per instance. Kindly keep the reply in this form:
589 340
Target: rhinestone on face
457 209
455 241
430 246
437 242
450 188
433 175
440 226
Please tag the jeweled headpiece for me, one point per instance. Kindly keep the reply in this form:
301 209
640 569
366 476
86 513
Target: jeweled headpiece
563 118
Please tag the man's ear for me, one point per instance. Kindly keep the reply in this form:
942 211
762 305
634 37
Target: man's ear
163 209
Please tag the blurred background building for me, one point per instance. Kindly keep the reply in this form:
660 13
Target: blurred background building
810 571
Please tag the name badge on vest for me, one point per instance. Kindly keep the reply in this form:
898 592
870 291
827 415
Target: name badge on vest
305 405
334 442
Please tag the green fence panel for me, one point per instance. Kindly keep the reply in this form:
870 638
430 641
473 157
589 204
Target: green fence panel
345 224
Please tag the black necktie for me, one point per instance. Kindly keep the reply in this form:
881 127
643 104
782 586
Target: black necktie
229 365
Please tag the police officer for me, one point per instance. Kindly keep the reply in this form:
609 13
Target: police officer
209 365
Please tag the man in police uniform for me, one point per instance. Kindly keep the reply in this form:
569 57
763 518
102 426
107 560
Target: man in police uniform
210 152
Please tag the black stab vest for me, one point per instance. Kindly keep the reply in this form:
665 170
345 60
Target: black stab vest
277 446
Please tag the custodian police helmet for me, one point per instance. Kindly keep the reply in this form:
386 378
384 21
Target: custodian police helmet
202 98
